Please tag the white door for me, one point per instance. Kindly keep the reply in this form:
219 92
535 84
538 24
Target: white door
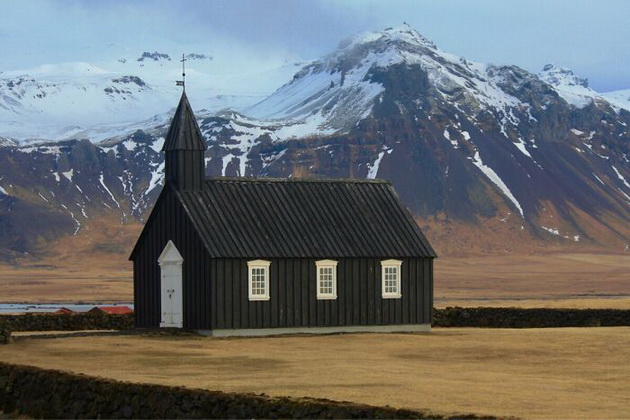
171 287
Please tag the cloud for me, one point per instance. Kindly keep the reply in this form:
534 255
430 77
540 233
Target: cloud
588 36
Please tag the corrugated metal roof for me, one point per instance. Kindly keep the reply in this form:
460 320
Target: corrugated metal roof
184 133
293 218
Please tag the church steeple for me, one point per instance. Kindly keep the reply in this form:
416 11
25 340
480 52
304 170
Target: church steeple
184 148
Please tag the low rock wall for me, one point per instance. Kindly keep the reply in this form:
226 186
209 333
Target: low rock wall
529 318
449 317
66 322
5 335
38 393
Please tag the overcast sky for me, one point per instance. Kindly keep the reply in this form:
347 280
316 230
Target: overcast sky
592 37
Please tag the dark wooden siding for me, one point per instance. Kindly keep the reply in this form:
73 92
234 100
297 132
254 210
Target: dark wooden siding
170 222
185 168
293 301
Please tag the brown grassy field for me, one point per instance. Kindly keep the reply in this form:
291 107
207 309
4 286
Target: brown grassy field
50 285
542 280
534 373
545 280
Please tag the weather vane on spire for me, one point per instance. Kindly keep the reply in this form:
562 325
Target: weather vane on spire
182 82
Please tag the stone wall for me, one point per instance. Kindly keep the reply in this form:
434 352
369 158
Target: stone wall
5 334
449 317
529 318
66 322
38 393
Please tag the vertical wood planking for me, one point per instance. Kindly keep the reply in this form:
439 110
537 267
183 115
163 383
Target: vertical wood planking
362 284
237 294
371 290
340 312
283 292
310 306
412 281
356 292
214 295
292 294
428 302
221 280
297 297
271 306
228 313
349 297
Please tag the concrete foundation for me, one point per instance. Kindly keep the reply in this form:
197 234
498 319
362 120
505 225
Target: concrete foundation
255 332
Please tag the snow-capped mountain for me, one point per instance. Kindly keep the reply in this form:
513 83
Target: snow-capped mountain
331 95
463 142
575 90
84 100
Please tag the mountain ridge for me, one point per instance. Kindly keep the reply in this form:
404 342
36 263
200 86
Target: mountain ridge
493 150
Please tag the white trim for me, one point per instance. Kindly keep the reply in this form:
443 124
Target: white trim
261 332
258 265
323 264
171 290
387 265
170 255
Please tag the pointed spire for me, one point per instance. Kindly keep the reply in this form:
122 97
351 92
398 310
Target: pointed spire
184 150
184 133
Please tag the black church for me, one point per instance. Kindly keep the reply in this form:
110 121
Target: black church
247 256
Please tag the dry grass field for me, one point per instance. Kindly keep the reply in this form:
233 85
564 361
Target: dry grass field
65 285
534 373
540 280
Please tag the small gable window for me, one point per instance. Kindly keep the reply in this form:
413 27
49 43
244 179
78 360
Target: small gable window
326 279
390 272
258 279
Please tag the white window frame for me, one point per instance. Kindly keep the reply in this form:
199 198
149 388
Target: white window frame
319 266
256 265
389 264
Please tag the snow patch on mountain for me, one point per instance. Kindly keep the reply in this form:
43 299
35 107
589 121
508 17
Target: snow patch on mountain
101 179
496 180
621 177
453 142
320 100
157 175
570 87
68 174
619 98
373 168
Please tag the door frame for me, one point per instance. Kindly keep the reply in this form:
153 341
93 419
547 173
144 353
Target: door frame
171 287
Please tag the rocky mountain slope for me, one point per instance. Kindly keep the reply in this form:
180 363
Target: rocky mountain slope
473 150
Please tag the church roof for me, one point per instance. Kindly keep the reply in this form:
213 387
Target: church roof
184 133
295 218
